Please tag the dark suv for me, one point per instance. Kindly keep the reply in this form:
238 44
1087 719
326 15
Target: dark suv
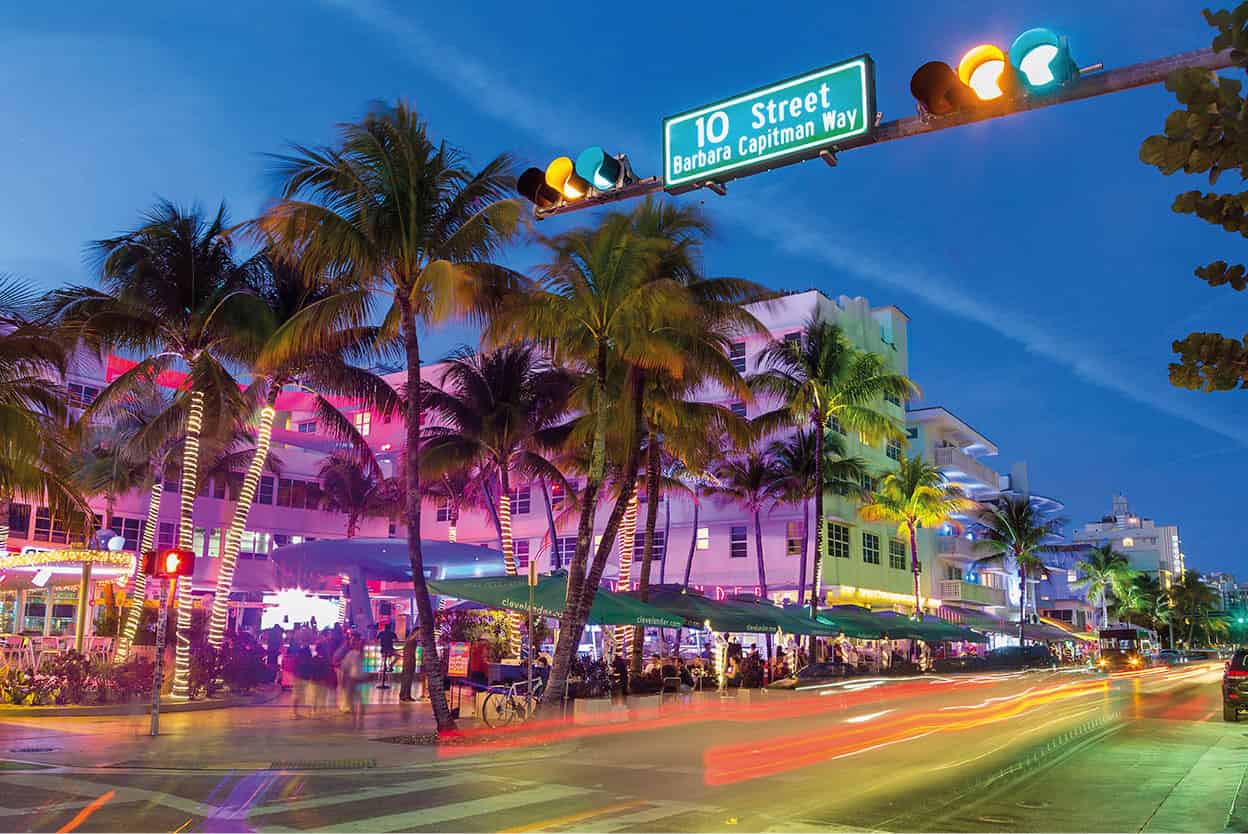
1235 686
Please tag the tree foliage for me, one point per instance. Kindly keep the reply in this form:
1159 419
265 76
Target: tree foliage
1209 136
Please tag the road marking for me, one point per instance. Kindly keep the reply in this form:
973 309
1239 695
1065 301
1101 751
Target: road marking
662 811
568 819
452 811
77 787
414 786
862 719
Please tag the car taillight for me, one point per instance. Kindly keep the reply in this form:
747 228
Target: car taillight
1235 673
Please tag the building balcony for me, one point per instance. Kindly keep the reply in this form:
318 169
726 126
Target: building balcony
955 590
958 547
961 468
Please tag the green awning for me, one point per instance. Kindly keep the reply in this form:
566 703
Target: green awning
855 622
790 621
512 593
719 616
930 629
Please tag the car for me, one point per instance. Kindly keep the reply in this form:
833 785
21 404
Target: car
961 663
1235 686
1012 657
1171 657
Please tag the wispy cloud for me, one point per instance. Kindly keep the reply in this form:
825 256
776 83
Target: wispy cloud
492 91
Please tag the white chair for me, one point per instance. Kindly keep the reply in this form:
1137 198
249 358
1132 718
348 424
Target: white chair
101 649
15 652
49 647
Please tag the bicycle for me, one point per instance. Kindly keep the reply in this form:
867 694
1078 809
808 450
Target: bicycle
505 704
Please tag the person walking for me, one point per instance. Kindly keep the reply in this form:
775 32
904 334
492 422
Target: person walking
386 638
272 645
353 679
303 673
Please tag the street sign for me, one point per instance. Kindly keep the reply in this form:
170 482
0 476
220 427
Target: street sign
771 126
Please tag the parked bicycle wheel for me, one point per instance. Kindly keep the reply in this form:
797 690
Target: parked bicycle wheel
499 709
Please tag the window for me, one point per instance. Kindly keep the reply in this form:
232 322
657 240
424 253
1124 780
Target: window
443 508
557 494
794 535
218 486
363 422
298 494
896 554
128 528
835 425
737 545
838 541
737 408
265 494
197 540
521 548
703 538
307 427
889 398
565 549
953 572
19 520
868 483
870 548
283 492
48 529
912 432
81 396
893 449
314 496
736 353
639 546
794 337
1128 542
167 535
521 500
255 545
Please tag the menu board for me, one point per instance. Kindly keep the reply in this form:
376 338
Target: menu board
457 665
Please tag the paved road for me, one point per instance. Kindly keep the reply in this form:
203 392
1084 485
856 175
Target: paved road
1143 751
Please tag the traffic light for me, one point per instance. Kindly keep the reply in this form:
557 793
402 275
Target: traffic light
168 563
564 181
1038 61
1043 60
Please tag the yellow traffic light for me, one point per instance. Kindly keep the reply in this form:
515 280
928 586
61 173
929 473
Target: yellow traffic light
561 175
982 69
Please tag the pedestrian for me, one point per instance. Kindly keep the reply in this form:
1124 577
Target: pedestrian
619 672
408 674
303 677
272 645
386 638
336 659
354 678
324 678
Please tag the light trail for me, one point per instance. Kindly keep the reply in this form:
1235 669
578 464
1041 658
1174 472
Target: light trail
82 816
871 716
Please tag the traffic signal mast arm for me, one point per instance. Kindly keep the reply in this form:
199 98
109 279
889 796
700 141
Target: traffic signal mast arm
1086 86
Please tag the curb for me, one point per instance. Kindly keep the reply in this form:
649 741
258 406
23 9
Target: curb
139 707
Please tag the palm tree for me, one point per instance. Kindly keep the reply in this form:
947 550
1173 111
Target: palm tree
417 227
174 295
752 481
597 313
460 488
1015 529
352 488
820 377
794 456
295 351
1103 569
1193 601
34 450
916 495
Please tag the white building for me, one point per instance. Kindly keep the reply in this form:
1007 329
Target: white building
1151 548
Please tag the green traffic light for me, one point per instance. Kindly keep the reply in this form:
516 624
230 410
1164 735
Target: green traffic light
1043 59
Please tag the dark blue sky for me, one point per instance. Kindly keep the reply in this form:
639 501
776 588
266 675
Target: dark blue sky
1037 258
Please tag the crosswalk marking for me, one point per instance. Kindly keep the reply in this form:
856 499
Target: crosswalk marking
414 786
662 810
451 811
81 787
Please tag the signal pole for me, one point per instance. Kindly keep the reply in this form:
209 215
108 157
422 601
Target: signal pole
1087 86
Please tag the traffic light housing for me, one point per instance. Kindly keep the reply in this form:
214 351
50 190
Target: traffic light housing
169 563
1038 62
566 181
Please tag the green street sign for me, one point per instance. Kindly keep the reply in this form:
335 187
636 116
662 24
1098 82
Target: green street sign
771 126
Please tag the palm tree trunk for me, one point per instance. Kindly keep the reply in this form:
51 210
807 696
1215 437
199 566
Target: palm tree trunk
816 576
647 544
139 595
515 619
693 541
758 549
430 663
582 584
353 525
452 529
186 541
667 530
1022 607
914 569
552 529
242 509
801 566
1104 610
627 540
4 525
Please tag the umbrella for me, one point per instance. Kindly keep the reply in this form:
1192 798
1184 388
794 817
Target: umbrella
549 596
929 629
790 621
855 621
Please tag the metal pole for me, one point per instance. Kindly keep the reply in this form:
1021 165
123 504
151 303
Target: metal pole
157 671
80 613
1088 86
